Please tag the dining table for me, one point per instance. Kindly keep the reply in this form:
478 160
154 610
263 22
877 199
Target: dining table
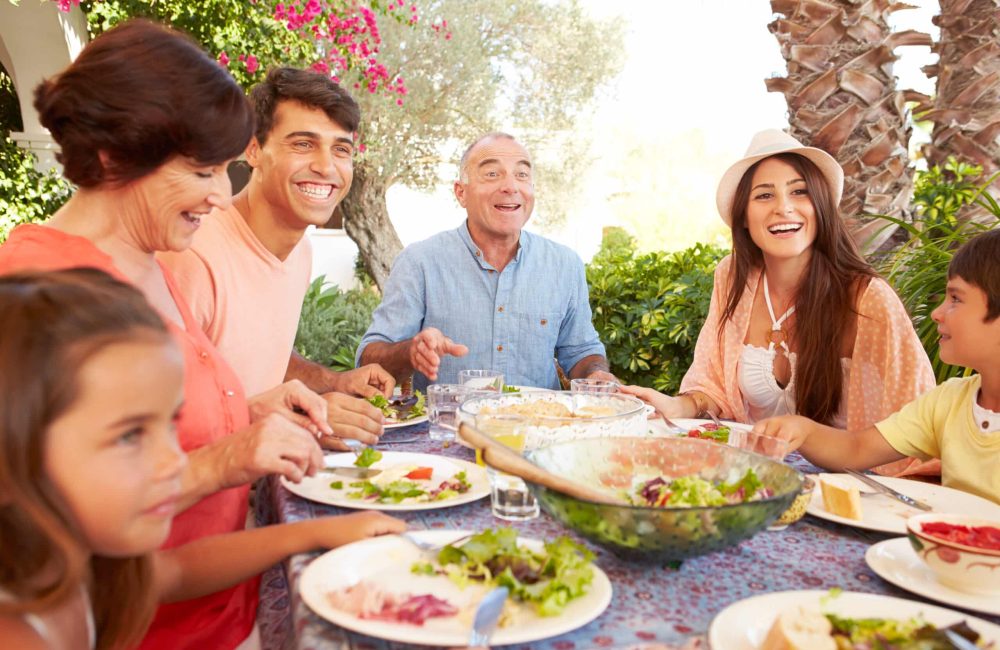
654 606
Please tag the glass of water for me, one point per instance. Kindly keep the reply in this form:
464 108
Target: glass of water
510 498
443 401
486 380
593 386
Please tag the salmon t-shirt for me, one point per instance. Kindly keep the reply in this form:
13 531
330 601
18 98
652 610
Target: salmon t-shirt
214 406
245 298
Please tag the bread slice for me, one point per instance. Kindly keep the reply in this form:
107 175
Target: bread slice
840 496
800 629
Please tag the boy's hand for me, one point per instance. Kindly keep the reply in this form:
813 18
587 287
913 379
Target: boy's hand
344 529
793 428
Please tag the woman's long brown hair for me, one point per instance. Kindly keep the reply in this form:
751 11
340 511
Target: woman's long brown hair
52 323
825 300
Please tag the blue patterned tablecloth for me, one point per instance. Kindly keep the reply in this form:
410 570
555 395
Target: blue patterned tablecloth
653 607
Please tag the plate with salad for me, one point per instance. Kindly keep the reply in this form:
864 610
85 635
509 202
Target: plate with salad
697 428
387 588
401 411
856 618
405 481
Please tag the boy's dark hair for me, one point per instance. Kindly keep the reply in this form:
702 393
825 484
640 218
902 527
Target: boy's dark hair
308 87
978 263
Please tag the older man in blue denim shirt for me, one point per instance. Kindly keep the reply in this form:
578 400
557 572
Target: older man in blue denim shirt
514 300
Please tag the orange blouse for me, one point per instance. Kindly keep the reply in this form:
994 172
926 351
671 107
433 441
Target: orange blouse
214 406
889 367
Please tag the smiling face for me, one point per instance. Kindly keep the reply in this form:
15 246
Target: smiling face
113 454
780 215
304 168
967 338
165 208
497 189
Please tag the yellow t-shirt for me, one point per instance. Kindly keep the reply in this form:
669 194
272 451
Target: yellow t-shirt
939 424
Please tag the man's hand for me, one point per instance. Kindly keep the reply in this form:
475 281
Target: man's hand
295 402
365 381
351 417
603 375
426 349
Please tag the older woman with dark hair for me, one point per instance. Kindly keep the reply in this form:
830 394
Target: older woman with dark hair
147 123
799 322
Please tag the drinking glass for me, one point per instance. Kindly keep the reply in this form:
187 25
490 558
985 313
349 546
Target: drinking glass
510 498
443 401
593 386
489 380
773 448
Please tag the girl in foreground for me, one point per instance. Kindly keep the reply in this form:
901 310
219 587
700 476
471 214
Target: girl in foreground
90 471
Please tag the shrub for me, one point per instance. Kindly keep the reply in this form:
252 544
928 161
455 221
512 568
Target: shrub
649 308
918 269
26 194
332 323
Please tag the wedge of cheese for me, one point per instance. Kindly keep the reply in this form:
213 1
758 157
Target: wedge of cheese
800 629
840 496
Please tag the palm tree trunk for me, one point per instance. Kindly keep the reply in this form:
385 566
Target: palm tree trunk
366 220
842 98
966 107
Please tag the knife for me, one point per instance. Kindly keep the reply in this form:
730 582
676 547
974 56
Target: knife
487 615
885 489
959 641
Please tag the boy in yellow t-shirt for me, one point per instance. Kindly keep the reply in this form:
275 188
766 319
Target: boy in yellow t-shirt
959 421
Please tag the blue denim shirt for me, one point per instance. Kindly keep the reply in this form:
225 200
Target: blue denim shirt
515 321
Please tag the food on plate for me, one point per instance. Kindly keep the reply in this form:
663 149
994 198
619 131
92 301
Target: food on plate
710 431
410 483
546 580
841 496
692 491
805 629
547 409
511 389
984 537
367 600
400 409
368 457
800 629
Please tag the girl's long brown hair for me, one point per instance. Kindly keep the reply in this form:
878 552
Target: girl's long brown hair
51 324
825 298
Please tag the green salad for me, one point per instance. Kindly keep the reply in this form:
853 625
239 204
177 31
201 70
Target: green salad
368 457
396 491
694 492
546 580
400 409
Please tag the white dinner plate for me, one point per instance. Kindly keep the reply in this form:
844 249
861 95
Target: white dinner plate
389 424
659 427
744 624
887 515
386 561
317 488
895 561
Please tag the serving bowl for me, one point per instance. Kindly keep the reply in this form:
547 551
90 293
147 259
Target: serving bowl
659 534
965 568
584 415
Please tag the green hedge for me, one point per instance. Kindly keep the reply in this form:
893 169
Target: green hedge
649 308
332 323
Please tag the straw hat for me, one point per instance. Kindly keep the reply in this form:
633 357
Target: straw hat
768 143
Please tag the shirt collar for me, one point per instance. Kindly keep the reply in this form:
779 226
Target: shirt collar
466 236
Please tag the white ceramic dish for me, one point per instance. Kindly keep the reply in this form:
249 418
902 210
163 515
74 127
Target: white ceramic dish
894 561
317 488
744 624
386 561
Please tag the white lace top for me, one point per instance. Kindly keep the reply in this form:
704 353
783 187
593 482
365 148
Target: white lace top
762 395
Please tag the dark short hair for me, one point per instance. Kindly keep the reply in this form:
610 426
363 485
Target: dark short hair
977 262
142 93
307 87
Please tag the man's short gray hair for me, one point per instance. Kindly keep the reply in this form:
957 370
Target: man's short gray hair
463 173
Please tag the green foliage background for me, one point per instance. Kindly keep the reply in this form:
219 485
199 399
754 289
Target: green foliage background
332 323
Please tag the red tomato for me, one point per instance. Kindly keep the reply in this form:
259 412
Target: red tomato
420 473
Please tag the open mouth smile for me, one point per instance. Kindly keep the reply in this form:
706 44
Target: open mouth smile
192 218
507 207
784 228
319 191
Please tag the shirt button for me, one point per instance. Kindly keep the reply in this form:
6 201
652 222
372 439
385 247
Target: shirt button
203 355
499 348
490 271
500 308
230 393
478 254
545 322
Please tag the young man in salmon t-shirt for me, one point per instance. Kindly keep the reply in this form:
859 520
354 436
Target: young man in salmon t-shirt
248 270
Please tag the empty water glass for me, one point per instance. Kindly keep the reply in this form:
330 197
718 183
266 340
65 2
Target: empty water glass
488 380
773 448
593 386
443 401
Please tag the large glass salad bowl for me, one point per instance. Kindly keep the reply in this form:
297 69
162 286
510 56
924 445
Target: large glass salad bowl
661 533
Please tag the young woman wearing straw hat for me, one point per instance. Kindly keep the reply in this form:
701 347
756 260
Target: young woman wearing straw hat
799 322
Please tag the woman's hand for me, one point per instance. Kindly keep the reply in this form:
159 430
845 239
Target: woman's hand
350 417
793 428
672 407
271 445
331 532
294 401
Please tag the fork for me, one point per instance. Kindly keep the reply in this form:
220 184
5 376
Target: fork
432 547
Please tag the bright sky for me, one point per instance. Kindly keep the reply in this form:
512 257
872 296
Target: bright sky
690 97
